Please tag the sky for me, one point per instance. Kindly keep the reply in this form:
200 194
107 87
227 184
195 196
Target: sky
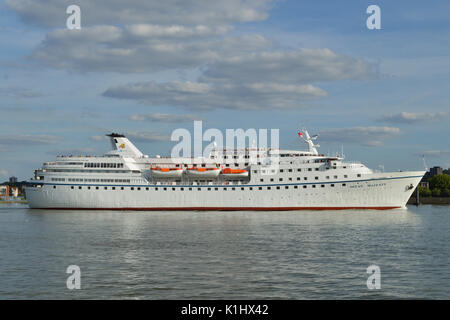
146 68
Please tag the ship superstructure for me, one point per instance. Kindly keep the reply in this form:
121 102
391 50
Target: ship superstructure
247 179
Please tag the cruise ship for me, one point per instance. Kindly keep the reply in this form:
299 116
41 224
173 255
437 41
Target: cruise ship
126 179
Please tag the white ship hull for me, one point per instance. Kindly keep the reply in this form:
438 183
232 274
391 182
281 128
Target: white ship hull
371 191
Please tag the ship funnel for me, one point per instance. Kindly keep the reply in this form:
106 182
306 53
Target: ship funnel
124 146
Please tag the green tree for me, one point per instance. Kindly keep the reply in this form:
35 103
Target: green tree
424 192
440 181
436 192
445 193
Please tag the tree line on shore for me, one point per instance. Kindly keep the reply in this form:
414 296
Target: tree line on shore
439 186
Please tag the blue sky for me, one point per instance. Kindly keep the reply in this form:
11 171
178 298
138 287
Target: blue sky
147 68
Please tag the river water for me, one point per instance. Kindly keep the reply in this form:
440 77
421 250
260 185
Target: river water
225 255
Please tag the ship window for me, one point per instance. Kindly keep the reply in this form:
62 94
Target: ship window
271 180
343 184
114 188
260 188
268 188
278 188
165 189
96 188
286 187
251 188
199 189
304 187
298 170
209 189
358 175
345 176
305 178
255 171
182 189
79 188
132 188
290 179
121 188
332 185
281 170
295 187
328 177
146 189
139 188
216 189
281 179
290 170
173 189
242 188
190 189
54 187
317 169
317 178
262 180
106 188
322 186
309 169
313 185
335 177
233 189
298 178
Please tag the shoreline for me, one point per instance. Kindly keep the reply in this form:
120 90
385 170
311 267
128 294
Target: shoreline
430 200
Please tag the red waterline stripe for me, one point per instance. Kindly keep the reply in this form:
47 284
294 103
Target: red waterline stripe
229 208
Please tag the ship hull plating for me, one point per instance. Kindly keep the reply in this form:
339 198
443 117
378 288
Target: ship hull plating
372 191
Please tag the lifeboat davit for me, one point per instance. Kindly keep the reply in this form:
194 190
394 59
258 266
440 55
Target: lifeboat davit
158 172
202 173
228 173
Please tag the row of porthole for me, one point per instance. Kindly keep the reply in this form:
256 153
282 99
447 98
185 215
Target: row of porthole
207 188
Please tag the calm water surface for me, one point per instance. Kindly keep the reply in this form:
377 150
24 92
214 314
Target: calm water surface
225 255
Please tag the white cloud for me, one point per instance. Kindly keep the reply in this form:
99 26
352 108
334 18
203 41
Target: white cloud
73 151
278 80
167 12
435 153
298 66
365 136
113 49
18 92
28 139
164 117
410 118
98 138
147 136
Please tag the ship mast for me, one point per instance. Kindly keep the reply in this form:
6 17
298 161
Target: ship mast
309 140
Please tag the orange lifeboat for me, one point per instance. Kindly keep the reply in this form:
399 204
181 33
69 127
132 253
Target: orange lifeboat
159 172
202 172
229 173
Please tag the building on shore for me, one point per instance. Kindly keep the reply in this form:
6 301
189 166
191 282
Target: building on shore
13 180
4 191
424 184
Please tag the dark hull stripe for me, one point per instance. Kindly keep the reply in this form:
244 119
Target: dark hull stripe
230 208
